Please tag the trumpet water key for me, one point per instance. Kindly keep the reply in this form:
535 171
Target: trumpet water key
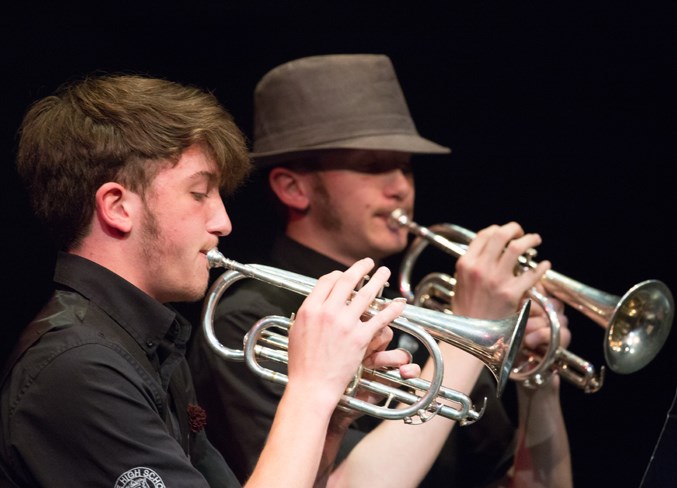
495 342
637 324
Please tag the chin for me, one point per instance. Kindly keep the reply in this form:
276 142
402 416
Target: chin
199 292
387 251
399 244
189 296
192 291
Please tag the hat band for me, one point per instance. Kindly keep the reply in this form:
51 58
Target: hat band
316 133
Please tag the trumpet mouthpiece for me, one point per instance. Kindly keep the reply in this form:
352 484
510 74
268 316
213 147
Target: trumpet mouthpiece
215 258
398 218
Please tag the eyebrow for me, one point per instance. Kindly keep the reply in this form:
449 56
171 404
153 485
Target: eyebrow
209 175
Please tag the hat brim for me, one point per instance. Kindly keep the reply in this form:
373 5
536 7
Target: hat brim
408 143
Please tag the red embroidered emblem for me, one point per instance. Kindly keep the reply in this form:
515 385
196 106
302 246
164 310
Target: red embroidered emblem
197 417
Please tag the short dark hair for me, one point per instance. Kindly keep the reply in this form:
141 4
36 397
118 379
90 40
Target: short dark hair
117 128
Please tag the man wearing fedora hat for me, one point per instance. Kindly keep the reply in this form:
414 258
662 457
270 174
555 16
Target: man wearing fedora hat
334 136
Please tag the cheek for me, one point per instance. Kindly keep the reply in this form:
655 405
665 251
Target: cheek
365 192
186 219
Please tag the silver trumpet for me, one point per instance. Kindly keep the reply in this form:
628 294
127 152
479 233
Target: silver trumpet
637 324
495 342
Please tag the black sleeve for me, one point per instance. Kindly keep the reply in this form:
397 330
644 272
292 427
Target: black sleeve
86 419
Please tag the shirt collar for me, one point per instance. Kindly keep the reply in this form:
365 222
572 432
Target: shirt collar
146 319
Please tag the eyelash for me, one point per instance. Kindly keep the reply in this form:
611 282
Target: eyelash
199 196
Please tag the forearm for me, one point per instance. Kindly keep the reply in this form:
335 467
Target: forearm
543 458
292 454
384 457
327 343
336 432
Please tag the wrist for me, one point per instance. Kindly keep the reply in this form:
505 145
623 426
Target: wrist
547 391
322 399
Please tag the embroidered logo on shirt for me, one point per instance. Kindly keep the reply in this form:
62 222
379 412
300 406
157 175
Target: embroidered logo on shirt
140 478
197 417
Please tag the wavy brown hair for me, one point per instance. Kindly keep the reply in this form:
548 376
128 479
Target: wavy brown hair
117 128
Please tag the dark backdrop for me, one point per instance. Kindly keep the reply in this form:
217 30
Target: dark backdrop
560 116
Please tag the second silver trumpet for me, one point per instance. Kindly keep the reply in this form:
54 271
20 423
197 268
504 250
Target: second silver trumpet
637 324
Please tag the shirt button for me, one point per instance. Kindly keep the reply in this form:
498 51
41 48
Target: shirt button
150 343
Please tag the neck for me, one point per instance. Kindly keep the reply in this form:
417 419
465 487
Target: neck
112 253
320 241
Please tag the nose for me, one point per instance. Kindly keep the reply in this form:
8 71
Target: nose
219 223
399 184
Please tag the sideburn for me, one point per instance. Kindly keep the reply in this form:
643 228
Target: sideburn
327 216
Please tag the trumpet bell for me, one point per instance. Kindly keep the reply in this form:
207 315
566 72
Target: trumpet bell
639 326
495 342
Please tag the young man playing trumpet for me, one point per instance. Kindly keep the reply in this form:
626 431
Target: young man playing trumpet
127 173
335 137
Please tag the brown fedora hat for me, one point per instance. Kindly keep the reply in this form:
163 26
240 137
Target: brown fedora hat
340 101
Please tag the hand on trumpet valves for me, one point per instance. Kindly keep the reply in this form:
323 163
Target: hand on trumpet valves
329 339
537 331
378 359
487 286
537 337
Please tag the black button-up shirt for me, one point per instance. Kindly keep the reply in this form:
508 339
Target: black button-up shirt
99 390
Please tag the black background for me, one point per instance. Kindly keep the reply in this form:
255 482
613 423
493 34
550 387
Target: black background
560 116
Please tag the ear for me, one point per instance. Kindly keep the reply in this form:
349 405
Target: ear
290 187
113 208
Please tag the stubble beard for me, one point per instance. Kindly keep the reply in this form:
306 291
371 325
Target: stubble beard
327 216
153 247
330 220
